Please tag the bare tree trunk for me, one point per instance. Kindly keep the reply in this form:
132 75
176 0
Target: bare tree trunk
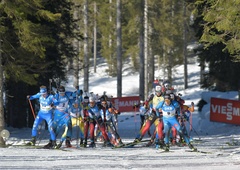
119 50
111 67
95 38
169 66
77 65
146 78
184 47
141 55
85 48
2 142
164 63
170 50
151 67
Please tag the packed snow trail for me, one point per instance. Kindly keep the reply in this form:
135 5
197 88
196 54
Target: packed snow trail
224 152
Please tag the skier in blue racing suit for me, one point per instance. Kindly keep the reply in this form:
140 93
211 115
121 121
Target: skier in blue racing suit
45 113
168 109
62 117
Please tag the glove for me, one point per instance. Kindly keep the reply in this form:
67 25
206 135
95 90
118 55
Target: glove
28 97
135 105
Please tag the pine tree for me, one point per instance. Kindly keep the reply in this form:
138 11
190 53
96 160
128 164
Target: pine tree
216 26
23 46
222 26
36 38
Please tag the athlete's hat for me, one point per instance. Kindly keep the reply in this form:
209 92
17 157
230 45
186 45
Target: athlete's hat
43 89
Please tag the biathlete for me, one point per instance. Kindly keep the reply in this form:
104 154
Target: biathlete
46 102
153 118
168 109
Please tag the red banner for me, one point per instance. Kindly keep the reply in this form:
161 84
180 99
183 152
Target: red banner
125 104
226 111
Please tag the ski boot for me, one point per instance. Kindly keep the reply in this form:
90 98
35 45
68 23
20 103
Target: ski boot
32 142
84 144
54 144
192 147
150 143
108 144
92 144
137 140
161 143
68 142
120 141
49 145
167 147
81 143
59 145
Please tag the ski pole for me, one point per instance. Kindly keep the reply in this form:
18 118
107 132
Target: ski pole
41 132
78 129
135 119
77 119
194 130
33 113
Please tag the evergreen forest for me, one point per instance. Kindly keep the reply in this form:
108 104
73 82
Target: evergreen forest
44 40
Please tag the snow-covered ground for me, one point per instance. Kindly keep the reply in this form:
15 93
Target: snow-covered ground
222 141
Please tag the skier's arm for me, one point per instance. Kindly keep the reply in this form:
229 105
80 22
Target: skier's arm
35 96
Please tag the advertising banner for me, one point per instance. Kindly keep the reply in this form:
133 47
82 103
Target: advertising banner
125 104
226 111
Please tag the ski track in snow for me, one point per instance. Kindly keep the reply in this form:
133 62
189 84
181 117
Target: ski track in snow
222 155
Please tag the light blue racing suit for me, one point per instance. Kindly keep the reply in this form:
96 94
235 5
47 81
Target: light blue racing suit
61 116
170 120
45 113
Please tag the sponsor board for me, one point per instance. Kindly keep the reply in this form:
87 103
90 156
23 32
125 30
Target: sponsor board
226 111
125 104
